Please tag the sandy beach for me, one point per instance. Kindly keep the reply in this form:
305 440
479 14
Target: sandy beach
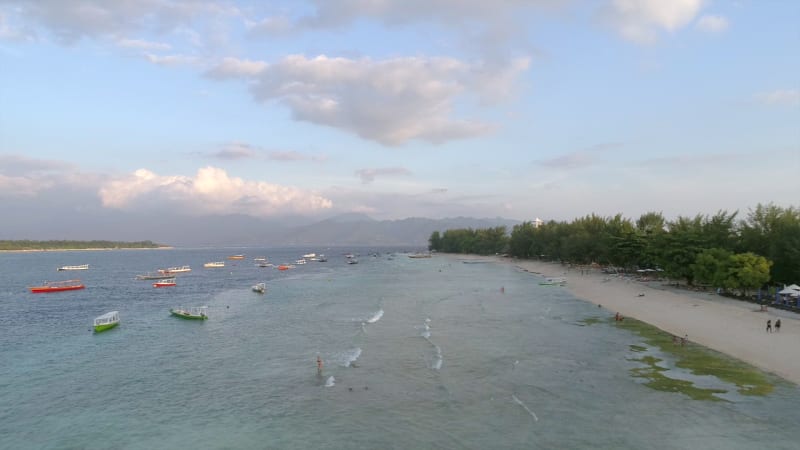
732 327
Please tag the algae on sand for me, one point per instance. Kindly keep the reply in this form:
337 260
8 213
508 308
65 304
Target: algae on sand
694 358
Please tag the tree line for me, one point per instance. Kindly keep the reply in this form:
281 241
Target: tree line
715 250
72 245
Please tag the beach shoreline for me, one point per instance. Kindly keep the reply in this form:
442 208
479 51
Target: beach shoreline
732 327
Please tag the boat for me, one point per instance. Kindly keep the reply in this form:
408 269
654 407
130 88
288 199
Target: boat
260 258
322 258
284 267
57 286
171 270
236 257
558 281
154 276
310 255
420 255
300 261
260 288
265 264
194 312
210 265
106 322
80 267
352 261
167 282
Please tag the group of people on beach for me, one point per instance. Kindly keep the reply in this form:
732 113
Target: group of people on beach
777 325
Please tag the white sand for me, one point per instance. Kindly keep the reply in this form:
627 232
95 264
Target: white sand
729 326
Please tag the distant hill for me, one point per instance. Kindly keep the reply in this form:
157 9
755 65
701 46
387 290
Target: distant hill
363 230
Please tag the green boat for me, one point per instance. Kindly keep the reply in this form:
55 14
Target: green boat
107 321
193 313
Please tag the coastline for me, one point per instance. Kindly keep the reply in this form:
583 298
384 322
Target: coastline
39 250
735 328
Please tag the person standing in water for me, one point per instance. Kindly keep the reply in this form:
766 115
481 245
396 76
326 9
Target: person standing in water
319 364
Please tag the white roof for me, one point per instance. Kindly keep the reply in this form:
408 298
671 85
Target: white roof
108 315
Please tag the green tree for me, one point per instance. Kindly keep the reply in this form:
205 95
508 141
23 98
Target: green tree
712 267
748 271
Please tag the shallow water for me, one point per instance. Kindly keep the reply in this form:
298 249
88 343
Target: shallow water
418 353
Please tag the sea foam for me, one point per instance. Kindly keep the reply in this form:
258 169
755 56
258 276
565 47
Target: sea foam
376 317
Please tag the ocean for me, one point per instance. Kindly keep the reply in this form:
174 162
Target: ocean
417 353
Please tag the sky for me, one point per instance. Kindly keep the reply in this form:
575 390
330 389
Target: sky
521 109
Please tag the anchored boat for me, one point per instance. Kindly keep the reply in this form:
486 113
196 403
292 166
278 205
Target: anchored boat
260 288
167 282
106 322
211 265
80 267
174 270
57 286
154 276
194 312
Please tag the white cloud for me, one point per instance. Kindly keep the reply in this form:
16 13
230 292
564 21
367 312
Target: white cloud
236 68
138 44
172 60
641 21
712 24
785 97
389 101
210 191
236 150
368 175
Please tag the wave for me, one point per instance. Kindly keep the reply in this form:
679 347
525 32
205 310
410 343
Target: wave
376 317
348 358
438 359
519 402
330 382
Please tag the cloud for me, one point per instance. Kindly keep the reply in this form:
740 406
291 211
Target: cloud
172 60
641 21
390 101
580 158
236 68
712 24
292 155
781 97
72 20
138 44
368 175
210 191
236 150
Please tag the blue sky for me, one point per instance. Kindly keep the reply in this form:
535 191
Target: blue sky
437 108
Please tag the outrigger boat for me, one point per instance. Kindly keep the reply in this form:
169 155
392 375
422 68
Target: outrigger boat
260 288
559 281
164 283
106 322
173 270
57 286
236 257
80 267
194 312
211 265
154 276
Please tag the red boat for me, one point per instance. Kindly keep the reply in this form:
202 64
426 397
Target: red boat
57 286
164 283
283 267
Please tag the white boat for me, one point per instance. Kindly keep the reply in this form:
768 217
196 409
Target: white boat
260 288
181 269
300 261
80 267
106 321
310 255
260 258
209 265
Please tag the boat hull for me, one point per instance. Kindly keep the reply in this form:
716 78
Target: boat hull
46 289
104 327
160 285
185 315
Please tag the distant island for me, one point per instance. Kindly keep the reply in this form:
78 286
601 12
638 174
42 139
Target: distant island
28 245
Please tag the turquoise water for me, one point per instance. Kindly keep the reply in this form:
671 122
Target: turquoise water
418 353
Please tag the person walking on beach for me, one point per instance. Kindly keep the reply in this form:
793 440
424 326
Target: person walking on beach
778 325
769 326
